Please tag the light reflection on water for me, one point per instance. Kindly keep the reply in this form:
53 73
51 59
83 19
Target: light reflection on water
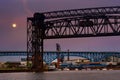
64 75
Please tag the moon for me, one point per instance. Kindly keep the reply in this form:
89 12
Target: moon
14 25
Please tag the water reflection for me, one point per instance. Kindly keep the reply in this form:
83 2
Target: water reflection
63 75
35 76
22 76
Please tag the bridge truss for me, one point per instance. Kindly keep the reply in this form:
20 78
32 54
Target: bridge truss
89 22
50 56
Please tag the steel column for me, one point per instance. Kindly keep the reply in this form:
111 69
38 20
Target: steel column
35 35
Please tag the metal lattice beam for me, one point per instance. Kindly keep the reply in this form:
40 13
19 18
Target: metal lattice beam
90 26
82 12
35 36
49 56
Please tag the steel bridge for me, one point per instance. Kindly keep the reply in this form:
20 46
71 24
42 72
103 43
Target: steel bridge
75 23
49 56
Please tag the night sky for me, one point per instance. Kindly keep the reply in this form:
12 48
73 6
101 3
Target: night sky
17 11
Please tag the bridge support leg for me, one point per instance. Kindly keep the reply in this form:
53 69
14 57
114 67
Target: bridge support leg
35 41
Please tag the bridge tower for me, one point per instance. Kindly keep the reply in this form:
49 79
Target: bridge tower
35 37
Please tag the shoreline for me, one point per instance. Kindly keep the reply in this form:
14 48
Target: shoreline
13 71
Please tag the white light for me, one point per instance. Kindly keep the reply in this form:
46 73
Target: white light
14 25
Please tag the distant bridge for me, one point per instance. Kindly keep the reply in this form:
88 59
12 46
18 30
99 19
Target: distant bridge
49 56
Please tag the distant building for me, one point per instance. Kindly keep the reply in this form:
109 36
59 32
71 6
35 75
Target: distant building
76 60
2 65
12 64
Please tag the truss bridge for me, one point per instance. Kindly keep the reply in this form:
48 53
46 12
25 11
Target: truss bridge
75 23
50 56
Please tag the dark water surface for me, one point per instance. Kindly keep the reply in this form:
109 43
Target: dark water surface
64 75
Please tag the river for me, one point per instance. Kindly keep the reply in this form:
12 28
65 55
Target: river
64 75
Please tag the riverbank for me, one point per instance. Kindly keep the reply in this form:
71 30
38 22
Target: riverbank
12 71
28 70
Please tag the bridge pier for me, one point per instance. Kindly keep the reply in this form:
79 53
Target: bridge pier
35 34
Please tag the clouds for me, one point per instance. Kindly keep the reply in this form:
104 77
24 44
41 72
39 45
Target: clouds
17 11
53 5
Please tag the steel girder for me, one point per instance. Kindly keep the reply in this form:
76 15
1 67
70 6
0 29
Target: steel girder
49 56
90 26
13 53
35 36
82 12
92 56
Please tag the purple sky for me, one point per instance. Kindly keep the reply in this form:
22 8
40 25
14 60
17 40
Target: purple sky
16 11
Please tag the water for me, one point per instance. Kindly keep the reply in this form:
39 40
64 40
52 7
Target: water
64 75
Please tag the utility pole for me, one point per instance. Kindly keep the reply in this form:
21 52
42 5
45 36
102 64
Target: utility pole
68 57
58 48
